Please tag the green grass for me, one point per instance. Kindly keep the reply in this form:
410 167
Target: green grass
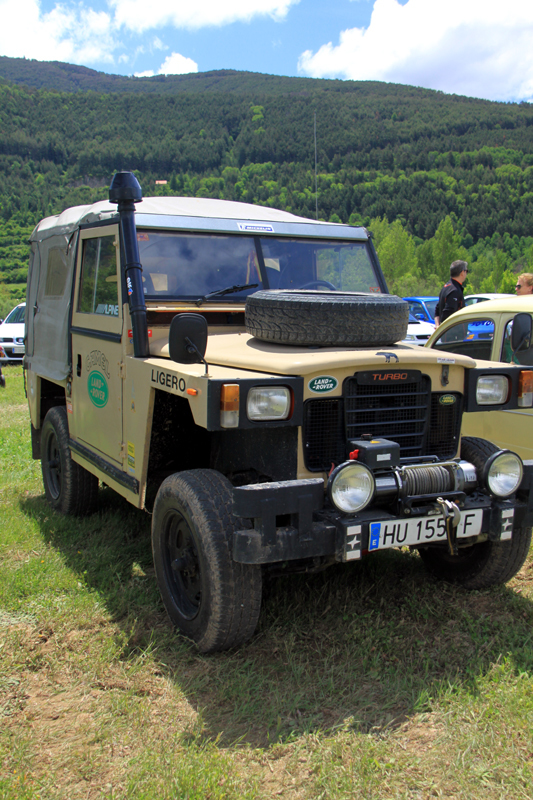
365 681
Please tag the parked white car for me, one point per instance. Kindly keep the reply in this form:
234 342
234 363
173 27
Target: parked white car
12 336
418 331
472 299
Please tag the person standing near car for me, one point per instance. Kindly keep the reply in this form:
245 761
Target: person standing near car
524 284
451 295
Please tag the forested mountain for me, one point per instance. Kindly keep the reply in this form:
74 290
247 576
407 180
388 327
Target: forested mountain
438 173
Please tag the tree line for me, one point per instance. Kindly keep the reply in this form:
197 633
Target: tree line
422 169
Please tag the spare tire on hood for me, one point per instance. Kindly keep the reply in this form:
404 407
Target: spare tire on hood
326 319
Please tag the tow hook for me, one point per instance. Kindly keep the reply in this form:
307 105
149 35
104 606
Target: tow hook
452 517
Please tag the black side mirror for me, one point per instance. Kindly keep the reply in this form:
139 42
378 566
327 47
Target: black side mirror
521 333
187 339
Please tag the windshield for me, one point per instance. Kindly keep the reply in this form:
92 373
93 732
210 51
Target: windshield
192 266
318 264
431 305
17 315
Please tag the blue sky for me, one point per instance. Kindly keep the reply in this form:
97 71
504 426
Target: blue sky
479 48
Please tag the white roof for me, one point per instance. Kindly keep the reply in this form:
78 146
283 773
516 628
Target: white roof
507 303
166 207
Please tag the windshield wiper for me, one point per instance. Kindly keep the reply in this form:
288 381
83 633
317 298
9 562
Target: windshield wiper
227 290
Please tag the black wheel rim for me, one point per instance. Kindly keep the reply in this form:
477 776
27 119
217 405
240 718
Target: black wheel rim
52 465
182 564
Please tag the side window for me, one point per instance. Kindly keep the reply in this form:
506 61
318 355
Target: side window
472 339
98 286
56 273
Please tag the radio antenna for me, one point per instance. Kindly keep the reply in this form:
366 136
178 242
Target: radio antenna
316 179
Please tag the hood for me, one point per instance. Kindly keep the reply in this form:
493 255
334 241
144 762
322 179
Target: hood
242 351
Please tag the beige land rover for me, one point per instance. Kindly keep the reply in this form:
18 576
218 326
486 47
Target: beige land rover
236 371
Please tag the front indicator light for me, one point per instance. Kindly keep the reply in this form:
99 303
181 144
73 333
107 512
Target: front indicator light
351 487
525 388
492 390
268 403
229 405
503 473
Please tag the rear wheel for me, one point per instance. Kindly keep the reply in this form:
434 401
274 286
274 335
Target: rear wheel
209 597
68 487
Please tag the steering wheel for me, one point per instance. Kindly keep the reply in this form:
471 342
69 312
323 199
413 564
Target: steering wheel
316 284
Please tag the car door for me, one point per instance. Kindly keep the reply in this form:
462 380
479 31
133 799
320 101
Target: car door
487 337
95 411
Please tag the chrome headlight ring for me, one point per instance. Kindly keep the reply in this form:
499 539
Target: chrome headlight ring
502 473
351 487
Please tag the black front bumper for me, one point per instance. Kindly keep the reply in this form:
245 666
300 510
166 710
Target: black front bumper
287 521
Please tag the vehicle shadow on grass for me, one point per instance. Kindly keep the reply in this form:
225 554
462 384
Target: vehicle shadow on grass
361 646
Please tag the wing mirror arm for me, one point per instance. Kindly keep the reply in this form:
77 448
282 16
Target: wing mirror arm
191 348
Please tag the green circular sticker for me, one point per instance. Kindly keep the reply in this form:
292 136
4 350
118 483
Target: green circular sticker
324 383
97 388
447 399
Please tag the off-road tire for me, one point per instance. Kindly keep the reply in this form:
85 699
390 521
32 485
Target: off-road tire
477 451
480 565
68 487
209 597
486 563
326 319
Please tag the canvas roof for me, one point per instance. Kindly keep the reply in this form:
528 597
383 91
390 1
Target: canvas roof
196 213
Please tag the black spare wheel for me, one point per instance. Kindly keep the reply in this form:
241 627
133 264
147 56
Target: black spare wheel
326 319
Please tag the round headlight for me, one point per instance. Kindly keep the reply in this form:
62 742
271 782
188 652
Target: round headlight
503 473
351 487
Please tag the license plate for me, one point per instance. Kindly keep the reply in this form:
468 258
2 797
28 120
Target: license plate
421 530
18 349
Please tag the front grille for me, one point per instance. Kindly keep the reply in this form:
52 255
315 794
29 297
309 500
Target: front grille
406 413
396 411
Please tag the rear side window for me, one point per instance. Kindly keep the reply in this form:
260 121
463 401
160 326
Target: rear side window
56 273
99 286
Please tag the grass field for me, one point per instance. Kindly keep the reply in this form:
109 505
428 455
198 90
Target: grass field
367 681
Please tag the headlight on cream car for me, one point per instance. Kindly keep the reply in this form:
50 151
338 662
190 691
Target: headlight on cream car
492 390
268 403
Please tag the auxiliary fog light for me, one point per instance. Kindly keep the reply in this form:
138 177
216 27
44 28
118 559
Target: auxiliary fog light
503 473
351 487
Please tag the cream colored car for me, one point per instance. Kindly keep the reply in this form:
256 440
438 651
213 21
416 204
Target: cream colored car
238 372
483 332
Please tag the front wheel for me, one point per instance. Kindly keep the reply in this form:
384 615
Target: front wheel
209 597
480 565
69 488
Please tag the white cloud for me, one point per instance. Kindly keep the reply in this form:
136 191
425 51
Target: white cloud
177 64
63 34
77 34
479 48
138 15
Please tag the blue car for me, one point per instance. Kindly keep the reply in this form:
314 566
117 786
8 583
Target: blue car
423 308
